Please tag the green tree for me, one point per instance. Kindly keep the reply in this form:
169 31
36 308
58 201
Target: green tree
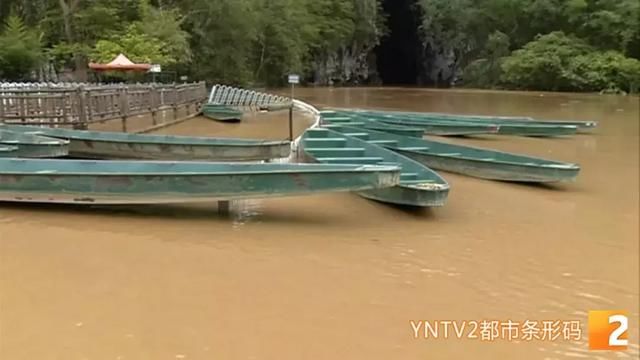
543 63
20 50
156 38
610 71
277 50
136 45
222 37
559 62
165 25
486 71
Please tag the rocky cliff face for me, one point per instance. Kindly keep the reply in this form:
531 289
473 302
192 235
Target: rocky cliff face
354 62
349 65
438 66
398 50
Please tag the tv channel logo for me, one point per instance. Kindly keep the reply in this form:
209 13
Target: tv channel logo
608 330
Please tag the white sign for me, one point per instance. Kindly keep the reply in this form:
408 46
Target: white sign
155 68
294 79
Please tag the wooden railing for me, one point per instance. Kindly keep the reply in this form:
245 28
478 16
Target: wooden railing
81 105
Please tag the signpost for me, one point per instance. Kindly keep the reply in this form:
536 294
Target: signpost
155 69
293 80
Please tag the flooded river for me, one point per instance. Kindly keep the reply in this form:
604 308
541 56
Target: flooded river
338 276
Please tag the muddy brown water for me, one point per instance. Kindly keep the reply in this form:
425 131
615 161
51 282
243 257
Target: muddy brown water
337 276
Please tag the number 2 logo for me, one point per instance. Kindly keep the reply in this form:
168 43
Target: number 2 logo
614 338
608 330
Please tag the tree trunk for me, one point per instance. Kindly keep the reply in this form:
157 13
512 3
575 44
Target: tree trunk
78 59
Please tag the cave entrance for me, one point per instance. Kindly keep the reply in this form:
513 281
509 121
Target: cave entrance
398 55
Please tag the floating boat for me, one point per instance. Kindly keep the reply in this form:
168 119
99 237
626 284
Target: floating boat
430 114
443 128
8 151
221 113
419 185
498 120
115 145
32 146
153 182
374 125
467 160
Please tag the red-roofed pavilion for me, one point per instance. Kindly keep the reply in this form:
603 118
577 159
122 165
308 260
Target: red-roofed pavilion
120 63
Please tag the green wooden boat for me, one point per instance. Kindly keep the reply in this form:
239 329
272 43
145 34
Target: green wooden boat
439 127
516 120
419 186
32 146
114 145
374 125
471 161
443 128
221 113
8 151
153 182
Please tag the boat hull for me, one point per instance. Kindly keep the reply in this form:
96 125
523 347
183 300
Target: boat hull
381 123
537 130
408 196
450 126
32 146
108 150
104 145
493 171
51 182
514 120
471 161
8 151
372 125
455 128
419 186
221 113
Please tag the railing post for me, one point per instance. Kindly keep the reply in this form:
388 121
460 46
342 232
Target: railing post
22 107
153 104
175 102
82 123
124 107
2 111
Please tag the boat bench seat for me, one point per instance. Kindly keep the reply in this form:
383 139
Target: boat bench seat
317 133
329 141
389 163
336 151
408 176
329 124
414 148
369 160
362 135
336 118
383 142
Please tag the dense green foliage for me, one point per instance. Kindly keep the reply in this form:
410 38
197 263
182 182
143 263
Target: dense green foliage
20 49
230 41
559 62
583 45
